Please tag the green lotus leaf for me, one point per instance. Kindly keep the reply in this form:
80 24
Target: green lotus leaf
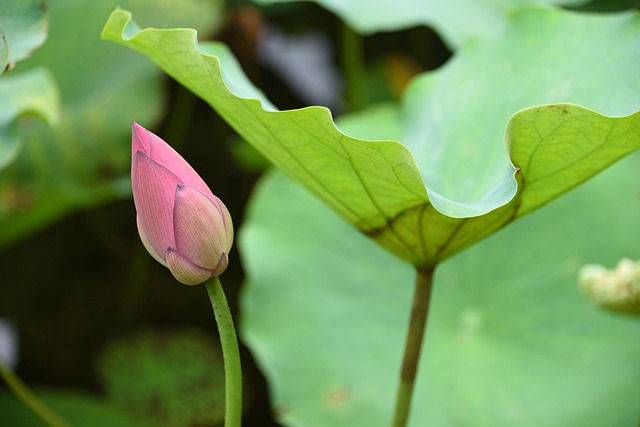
455 20
456 115
31 93
23 25
511 340
84 161
452 126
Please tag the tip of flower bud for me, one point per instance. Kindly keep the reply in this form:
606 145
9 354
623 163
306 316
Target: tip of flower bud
139 139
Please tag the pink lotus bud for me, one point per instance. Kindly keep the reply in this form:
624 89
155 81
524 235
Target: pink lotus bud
181 223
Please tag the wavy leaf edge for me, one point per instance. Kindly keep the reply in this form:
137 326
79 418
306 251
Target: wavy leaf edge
130 29
122 28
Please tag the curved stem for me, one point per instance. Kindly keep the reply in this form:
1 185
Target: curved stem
415 337
230 353
27 397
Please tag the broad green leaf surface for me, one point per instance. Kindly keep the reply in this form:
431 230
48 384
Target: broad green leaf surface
85 160
77 408
455 20
455 117
34 93
510 339
24 24
376 185
382 121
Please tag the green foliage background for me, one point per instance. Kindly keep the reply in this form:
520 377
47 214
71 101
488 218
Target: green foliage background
323 309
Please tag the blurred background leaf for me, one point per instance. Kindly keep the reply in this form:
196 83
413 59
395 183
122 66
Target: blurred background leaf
85 160
455 20
33 93
511 341
173 378
79 409
4 52
24 25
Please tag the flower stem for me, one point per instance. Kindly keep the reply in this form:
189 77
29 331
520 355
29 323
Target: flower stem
415 337
230 353
352 52
27 397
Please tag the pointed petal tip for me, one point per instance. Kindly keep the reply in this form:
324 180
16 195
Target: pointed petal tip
162 153
136 129
139 139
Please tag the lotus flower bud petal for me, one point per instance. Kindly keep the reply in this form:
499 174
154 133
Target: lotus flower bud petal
154 195
184 270
147 244
222 265
181 223
198 222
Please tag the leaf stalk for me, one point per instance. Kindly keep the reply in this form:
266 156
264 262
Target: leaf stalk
22 391
413 346
352 58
